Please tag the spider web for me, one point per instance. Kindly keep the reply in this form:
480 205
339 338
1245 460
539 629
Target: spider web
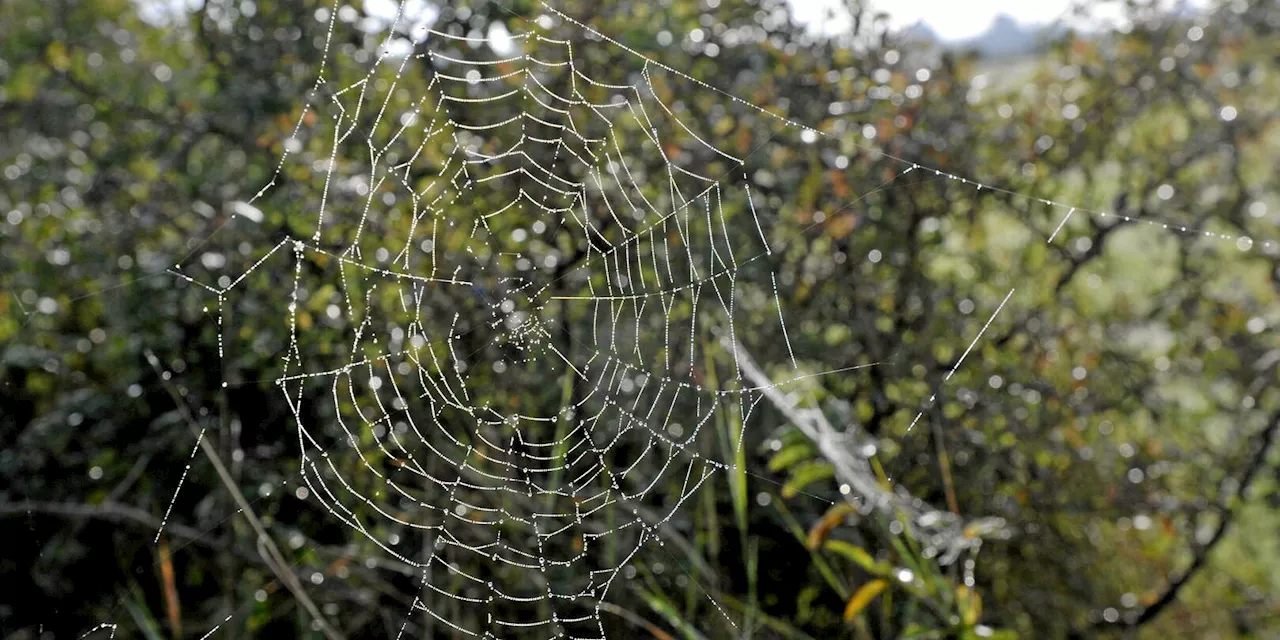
531 493
579 239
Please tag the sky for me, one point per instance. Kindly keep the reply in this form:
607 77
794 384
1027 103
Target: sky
957 19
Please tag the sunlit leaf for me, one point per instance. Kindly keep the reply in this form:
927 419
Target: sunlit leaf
863 597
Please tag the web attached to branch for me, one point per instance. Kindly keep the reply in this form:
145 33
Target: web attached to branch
563 235
537 270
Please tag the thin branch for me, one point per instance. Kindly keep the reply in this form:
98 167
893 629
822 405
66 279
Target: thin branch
125 514
1200 555
109 511
943 530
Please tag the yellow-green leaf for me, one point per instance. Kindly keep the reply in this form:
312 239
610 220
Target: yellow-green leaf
859 557
970 605
56 53
827 523
863 597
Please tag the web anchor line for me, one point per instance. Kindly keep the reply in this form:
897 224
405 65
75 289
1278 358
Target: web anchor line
964 355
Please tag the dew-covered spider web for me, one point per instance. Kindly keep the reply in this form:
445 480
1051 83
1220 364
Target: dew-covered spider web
534 489
543 271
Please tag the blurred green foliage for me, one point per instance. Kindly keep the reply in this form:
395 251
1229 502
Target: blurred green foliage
1118 415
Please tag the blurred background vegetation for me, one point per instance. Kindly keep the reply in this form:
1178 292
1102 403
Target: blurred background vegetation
1109 439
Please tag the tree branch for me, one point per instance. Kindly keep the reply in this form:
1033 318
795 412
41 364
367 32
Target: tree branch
943 530
109 511
1200 554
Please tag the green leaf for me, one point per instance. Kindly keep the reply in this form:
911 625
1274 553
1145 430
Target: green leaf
805 475
791 455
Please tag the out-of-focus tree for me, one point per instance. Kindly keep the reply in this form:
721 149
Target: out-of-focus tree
1117 415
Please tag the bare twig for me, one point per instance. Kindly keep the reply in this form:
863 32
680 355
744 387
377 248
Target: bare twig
172 605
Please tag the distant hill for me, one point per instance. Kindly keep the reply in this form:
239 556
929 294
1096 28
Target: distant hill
1005 37
921 33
